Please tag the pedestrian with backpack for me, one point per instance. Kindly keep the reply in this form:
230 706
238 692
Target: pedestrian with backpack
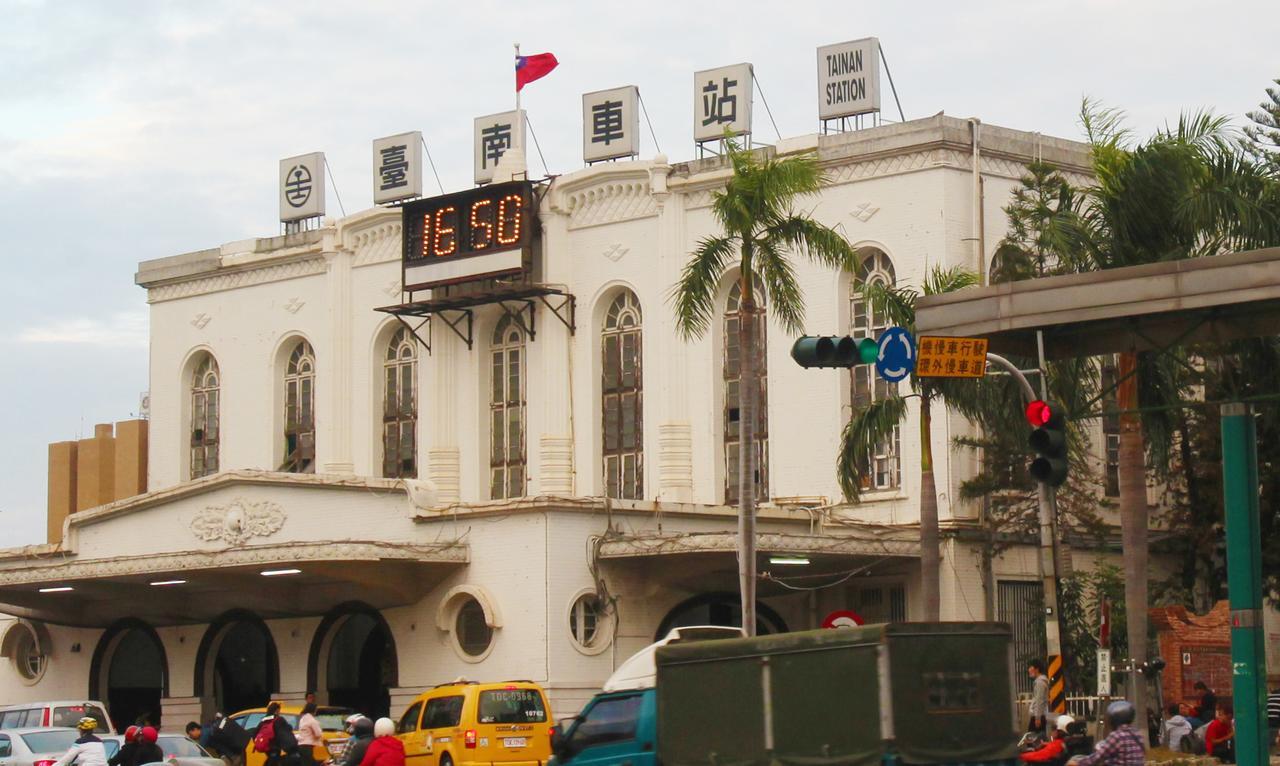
274 738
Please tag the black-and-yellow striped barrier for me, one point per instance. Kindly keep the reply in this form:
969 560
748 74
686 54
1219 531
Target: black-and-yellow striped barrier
1057 686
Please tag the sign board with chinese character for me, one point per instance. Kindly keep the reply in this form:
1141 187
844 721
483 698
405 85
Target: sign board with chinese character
1104 672
302 187
849 78
495 134
943 357
477 234
397 167
722 100
611 124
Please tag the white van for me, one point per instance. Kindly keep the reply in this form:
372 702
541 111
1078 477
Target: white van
60 713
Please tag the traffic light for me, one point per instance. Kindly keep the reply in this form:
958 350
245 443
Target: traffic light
1049 440
833 351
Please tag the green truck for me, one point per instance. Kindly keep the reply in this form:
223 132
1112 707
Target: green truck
900 694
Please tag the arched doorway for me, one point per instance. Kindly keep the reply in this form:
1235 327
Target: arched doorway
353 660
718 609
129 671
236 665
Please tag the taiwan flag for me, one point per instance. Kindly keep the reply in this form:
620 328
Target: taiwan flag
530 68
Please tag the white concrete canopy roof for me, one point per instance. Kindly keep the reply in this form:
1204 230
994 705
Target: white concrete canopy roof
1213 299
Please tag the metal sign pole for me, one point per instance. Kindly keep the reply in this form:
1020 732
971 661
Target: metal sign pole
1244 581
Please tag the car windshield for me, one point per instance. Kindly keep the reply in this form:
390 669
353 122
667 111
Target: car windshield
333 720
512 706
70 715
180 747
50 741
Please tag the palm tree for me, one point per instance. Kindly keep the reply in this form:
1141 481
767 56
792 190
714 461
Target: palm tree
874 423
759 230
1186 192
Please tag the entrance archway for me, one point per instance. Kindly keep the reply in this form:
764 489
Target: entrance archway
236 665
129 672
352 661
718 609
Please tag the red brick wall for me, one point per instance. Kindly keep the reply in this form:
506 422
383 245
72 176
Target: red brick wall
1194 648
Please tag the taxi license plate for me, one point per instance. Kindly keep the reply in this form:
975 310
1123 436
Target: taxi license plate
336 748
515 741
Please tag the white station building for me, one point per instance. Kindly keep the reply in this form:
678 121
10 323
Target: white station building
333 507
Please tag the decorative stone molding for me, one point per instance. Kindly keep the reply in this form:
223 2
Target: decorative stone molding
238 521
610 203
393 288
279 272
675 461
556 453
294 305
864 212
444 467
377 244
615 252
200 320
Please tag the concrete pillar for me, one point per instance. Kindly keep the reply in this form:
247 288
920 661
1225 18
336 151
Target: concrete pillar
674 431
550 379
62 487
336 382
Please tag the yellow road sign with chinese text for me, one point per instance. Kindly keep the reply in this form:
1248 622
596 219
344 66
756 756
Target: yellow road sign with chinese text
944 357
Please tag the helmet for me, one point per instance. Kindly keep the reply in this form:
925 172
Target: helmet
363 727
130 733
1120 713
1063 722
385 727
149 734
87 724
350 722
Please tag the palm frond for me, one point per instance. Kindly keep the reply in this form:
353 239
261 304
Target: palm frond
694 296
939 280
774 271
819 242
868 427
897 304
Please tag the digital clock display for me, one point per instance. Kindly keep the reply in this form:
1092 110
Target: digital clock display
481 233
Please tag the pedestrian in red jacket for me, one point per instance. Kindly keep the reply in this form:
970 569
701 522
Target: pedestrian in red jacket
385 749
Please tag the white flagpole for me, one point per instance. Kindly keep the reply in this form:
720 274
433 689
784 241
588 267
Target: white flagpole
518 141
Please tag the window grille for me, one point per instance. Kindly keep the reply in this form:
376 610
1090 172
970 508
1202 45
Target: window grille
881 469
204 418
507 411
300 411
622 394
400 407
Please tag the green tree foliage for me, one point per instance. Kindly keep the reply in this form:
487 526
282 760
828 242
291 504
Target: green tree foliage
1262 138
1080 610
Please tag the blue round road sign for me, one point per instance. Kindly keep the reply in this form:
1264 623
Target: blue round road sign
897 357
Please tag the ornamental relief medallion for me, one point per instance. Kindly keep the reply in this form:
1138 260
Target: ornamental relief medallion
238 521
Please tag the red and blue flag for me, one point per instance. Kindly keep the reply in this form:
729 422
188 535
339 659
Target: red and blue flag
530 68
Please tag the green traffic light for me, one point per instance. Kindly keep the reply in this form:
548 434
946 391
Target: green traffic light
868 350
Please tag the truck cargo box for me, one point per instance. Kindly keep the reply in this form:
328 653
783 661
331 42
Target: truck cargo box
920 693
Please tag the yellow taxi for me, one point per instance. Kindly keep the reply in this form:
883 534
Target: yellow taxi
466 722
332 723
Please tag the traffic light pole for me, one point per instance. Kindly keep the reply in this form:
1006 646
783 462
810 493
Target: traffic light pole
1048 560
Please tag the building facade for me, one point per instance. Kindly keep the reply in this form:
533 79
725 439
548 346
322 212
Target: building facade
332 506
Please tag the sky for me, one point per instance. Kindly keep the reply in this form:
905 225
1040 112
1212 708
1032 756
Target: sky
134 130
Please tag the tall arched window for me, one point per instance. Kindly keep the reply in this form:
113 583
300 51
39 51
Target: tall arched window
506 411
880 469
400 407
205 386
732 382
622 392
300 410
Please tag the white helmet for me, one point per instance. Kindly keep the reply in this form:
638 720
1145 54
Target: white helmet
1063 722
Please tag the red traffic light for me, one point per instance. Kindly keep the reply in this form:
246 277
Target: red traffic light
1039 413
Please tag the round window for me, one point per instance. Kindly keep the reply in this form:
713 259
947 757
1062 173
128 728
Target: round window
472 629
27 657
584 619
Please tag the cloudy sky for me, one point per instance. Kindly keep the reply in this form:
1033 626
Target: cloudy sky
136 130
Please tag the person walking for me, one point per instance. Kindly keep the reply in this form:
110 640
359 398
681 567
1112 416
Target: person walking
358 744
1123 746
87 750
385 749
309 734
1039 697
274 738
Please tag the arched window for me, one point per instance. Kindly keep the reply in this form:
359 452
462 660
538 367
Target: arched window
205 387
881 468
506 410
622 392
400 407
732 406
300 411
